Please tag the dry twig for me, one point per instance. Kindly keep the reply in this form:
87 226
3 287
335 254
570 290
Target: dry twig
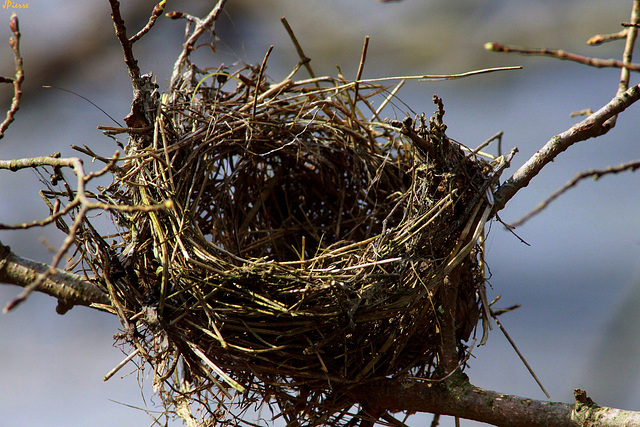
591 127
591 173
561 54
18 78
202 26
79 202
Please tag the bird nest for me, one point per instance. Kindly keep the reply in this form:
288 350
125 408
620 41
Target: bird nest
304 249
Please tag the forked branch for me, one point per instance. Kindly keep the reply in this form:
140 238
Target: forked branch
127 43
202 26
81 202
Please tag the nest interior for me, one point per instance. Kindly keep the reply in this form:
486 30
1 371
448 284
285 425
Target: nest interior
308 248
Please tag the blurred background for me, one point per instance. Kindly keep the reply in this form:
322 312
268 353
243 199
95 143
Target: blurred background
577 282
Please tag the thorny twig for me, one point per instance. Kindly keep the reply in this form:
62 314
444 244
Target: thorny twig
18 78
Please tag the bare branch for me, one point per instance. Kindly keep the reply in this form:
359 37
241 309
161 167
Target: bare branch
121 33
591 173
17 79
603 38
592 126
464 400
80 200
561 54
304 59
202 26
68 288
627 56
157 11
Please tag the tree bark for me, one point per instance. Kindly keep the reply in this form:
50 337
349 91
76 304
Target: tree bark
68 288
461 399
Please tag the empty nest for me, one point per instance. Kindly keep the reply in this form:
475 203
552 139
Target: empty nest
305 249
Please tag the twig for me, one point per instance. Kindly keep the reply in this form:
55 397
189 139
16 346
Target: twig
157 11
80 200
226 378
593 173
591 127
496 137
18 78
259 81
515 347
119 366
201 27
627 56
304 59
121 33
388 99
561 54
448 346
421 78
363 59
433 77
602 38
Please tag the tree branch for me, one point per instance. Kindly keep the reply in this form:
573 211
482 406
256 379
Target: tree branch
591 173
201 27
80 201
68 288
561 54
467 401
591 127
17 80
121 33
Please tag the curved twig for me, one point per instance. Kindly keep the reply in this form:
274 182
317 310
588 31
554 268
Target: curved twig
591 173
561 54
